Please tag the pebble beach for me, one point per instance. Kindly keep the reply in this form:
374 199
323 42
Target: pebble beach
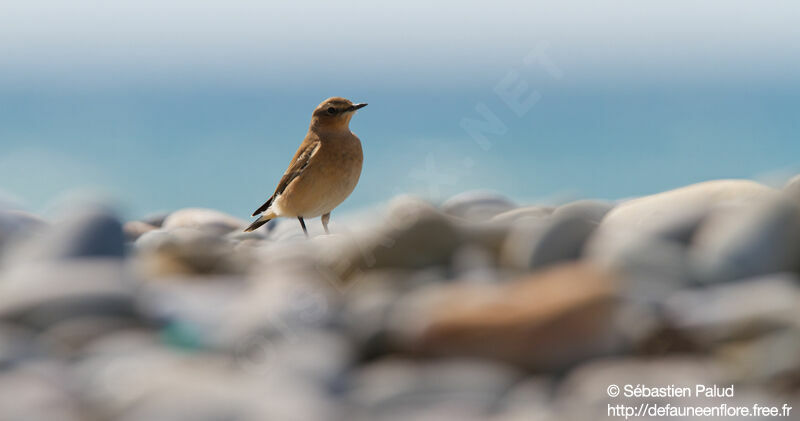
476 308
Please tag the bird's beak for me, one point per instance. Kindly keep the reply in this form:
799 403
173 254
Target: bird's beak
357 106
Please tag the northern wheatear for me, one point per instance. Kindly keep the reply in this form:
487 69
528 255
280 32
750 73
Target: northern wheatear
324 170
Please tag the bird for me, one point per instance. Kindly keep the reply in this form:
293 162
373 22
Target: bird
324 170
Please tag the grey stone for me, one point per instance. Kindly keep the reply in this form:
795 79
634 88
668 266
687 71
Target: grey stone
477 205
184 251
643 213
208 220
195 313
474 263
38 391
123 343
588 210
792 188
320 356
655 266
135 229
69 336
88 233
543 243
156 383
393 386
415 235
536 242
764 361
737 311
152 239
17 344
155 219
283 301
247 236
524 213
680 227
368 305
529 399
44 293
748 241
16 225
489 236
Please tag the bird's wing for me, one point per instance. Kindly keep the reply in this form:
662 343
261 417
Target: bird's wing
299 163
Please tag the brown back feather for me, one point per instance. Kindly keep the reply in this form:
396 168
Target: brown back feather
299 163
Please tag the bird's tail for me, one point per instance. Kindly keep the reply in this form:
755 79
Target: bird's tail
258 222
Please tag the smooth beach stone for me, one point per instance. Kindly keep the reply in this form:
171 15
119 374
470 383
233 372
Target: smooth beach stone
43 293
477 205
588 210
524 213
186 251
230 399
747 241
530 396
204 308
430 410
653 265
475 263
87 233
792 188
567 313
257 235
155 219
678 227
123 342
135 229
281 302
764 360
212 221
16 224
319 356
489 237
12 220
368 302
17 344
414 235
69 336
152 239
156 383
196 406
645 213
681 227
395 386
38 391
736 311
546 242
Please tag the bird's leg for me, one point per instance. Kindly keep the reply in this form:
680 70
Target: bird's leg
303 224
325 219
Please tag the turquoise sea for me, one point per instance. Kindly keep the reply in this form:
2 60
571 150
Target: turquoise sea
226 149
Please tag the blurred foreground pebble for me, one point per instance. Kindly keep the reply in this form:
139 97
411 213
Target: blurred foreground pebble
478 309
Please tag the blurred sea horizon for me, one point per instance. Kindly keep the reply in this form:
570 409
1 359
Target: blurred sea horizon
226 150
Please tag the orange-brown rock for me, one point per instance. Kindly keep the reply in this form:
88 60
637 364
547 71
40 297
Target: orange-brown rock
547 320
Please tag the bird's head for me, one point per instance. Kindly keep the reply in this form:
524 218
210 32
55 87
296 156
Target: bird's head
335 113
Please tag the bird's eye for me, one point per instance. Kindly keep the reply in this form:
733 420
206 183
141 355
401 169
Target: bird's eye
331 110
